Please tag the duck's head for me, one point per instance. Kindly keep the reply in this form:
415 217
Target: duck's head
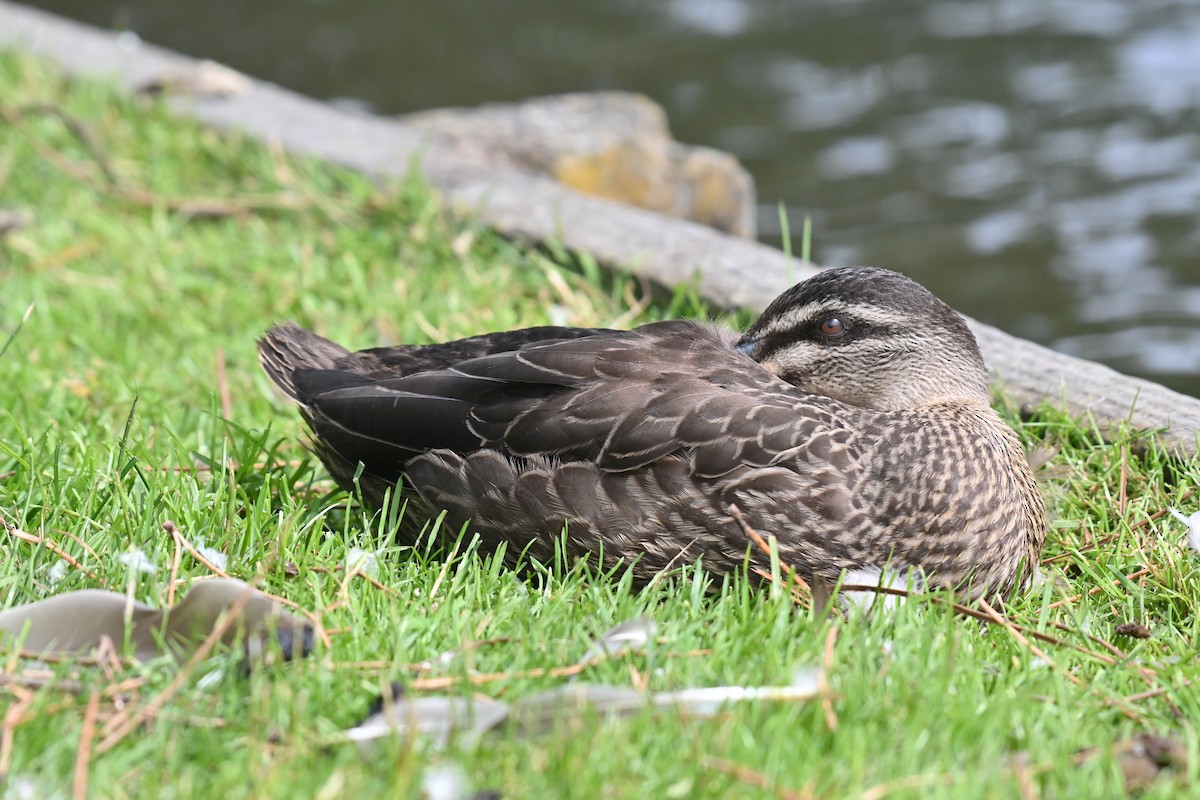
870 337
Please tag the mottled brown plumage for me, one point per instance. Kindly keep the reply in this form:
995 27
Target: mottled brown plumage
851 421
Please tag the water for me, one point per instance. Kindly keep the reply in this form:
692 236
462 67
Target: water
1035 162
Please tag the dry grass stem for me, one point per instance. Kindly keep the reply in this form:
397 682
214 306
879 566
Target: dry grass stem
1095 590
831 720
12 718
83 754
754 778
122 724
175 533
1038 652
49 544
754 536
882 790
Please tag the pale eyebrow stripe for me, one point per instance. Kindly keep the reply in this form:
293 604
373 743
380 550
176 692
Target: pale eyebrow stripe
800 316
871 315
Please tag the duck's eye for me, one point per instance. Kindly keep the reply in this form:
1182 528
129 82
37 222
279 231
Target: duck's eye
832 327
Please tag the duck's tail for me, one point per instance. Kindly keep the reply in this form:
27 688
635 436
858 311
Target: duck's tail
288 348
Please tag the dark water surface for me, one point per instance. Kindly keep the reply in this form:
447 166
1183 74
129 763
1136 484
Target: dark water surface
1035 162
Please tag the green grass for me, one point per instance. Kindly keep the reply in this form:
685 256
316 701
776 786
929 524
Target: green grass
112 421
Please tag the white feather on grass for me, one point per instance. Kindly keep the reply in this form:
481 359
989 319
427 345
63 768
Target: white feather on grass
1193 524
136 560
867 601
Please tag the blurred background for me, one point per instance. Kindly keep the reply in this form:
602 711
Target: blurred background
1034 162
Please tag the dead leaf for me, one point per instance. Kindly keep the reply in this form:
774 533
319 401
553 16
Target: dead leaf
1135 630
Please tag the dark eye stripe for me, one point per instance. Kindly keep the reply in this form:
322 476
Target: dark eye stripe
854 330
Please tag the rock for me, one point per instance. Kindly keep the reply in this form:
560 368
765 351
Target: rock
613 145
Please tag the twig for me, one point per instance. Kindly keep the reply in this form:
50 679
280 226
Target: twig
882 790
426 666
83 756
176 560
356 573
762 545
74 126
13 219
445 682
767 577
1024 777
427 684
315 619
79 541
170 528
12 337
1107 645
831 720
664 573
232 465
12 718
1008 625
958 607
39 679
1135 698
124 723
982 617
50 545
1141 573
636 304
754 778
1141 523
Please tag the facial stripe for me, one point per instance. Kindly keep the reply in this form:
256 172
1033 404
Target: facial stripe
810 316
856 330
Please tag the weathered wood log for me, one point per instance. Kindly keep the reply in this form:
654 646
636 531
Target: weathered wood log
729 271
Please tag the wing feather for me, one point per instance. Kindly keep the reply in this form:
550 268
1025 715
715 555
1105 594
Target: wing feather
530 431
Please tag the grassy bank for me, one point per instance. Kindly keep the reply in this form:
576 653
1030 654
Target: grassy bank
154 252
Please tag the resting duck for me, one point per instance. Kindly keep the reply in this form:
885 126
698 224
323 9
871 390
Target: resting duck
852 421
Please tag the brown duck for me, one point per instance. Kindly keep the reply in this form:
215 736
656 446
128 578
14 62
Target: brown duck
852 421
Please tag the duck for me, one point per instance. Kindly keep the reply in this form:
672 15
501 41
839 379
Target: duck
851 421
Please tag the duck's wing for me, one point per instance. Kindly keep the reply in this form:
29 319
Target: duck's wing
288 348
625 401
648 439
384 405
641 459
625 434
618 399
392 362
